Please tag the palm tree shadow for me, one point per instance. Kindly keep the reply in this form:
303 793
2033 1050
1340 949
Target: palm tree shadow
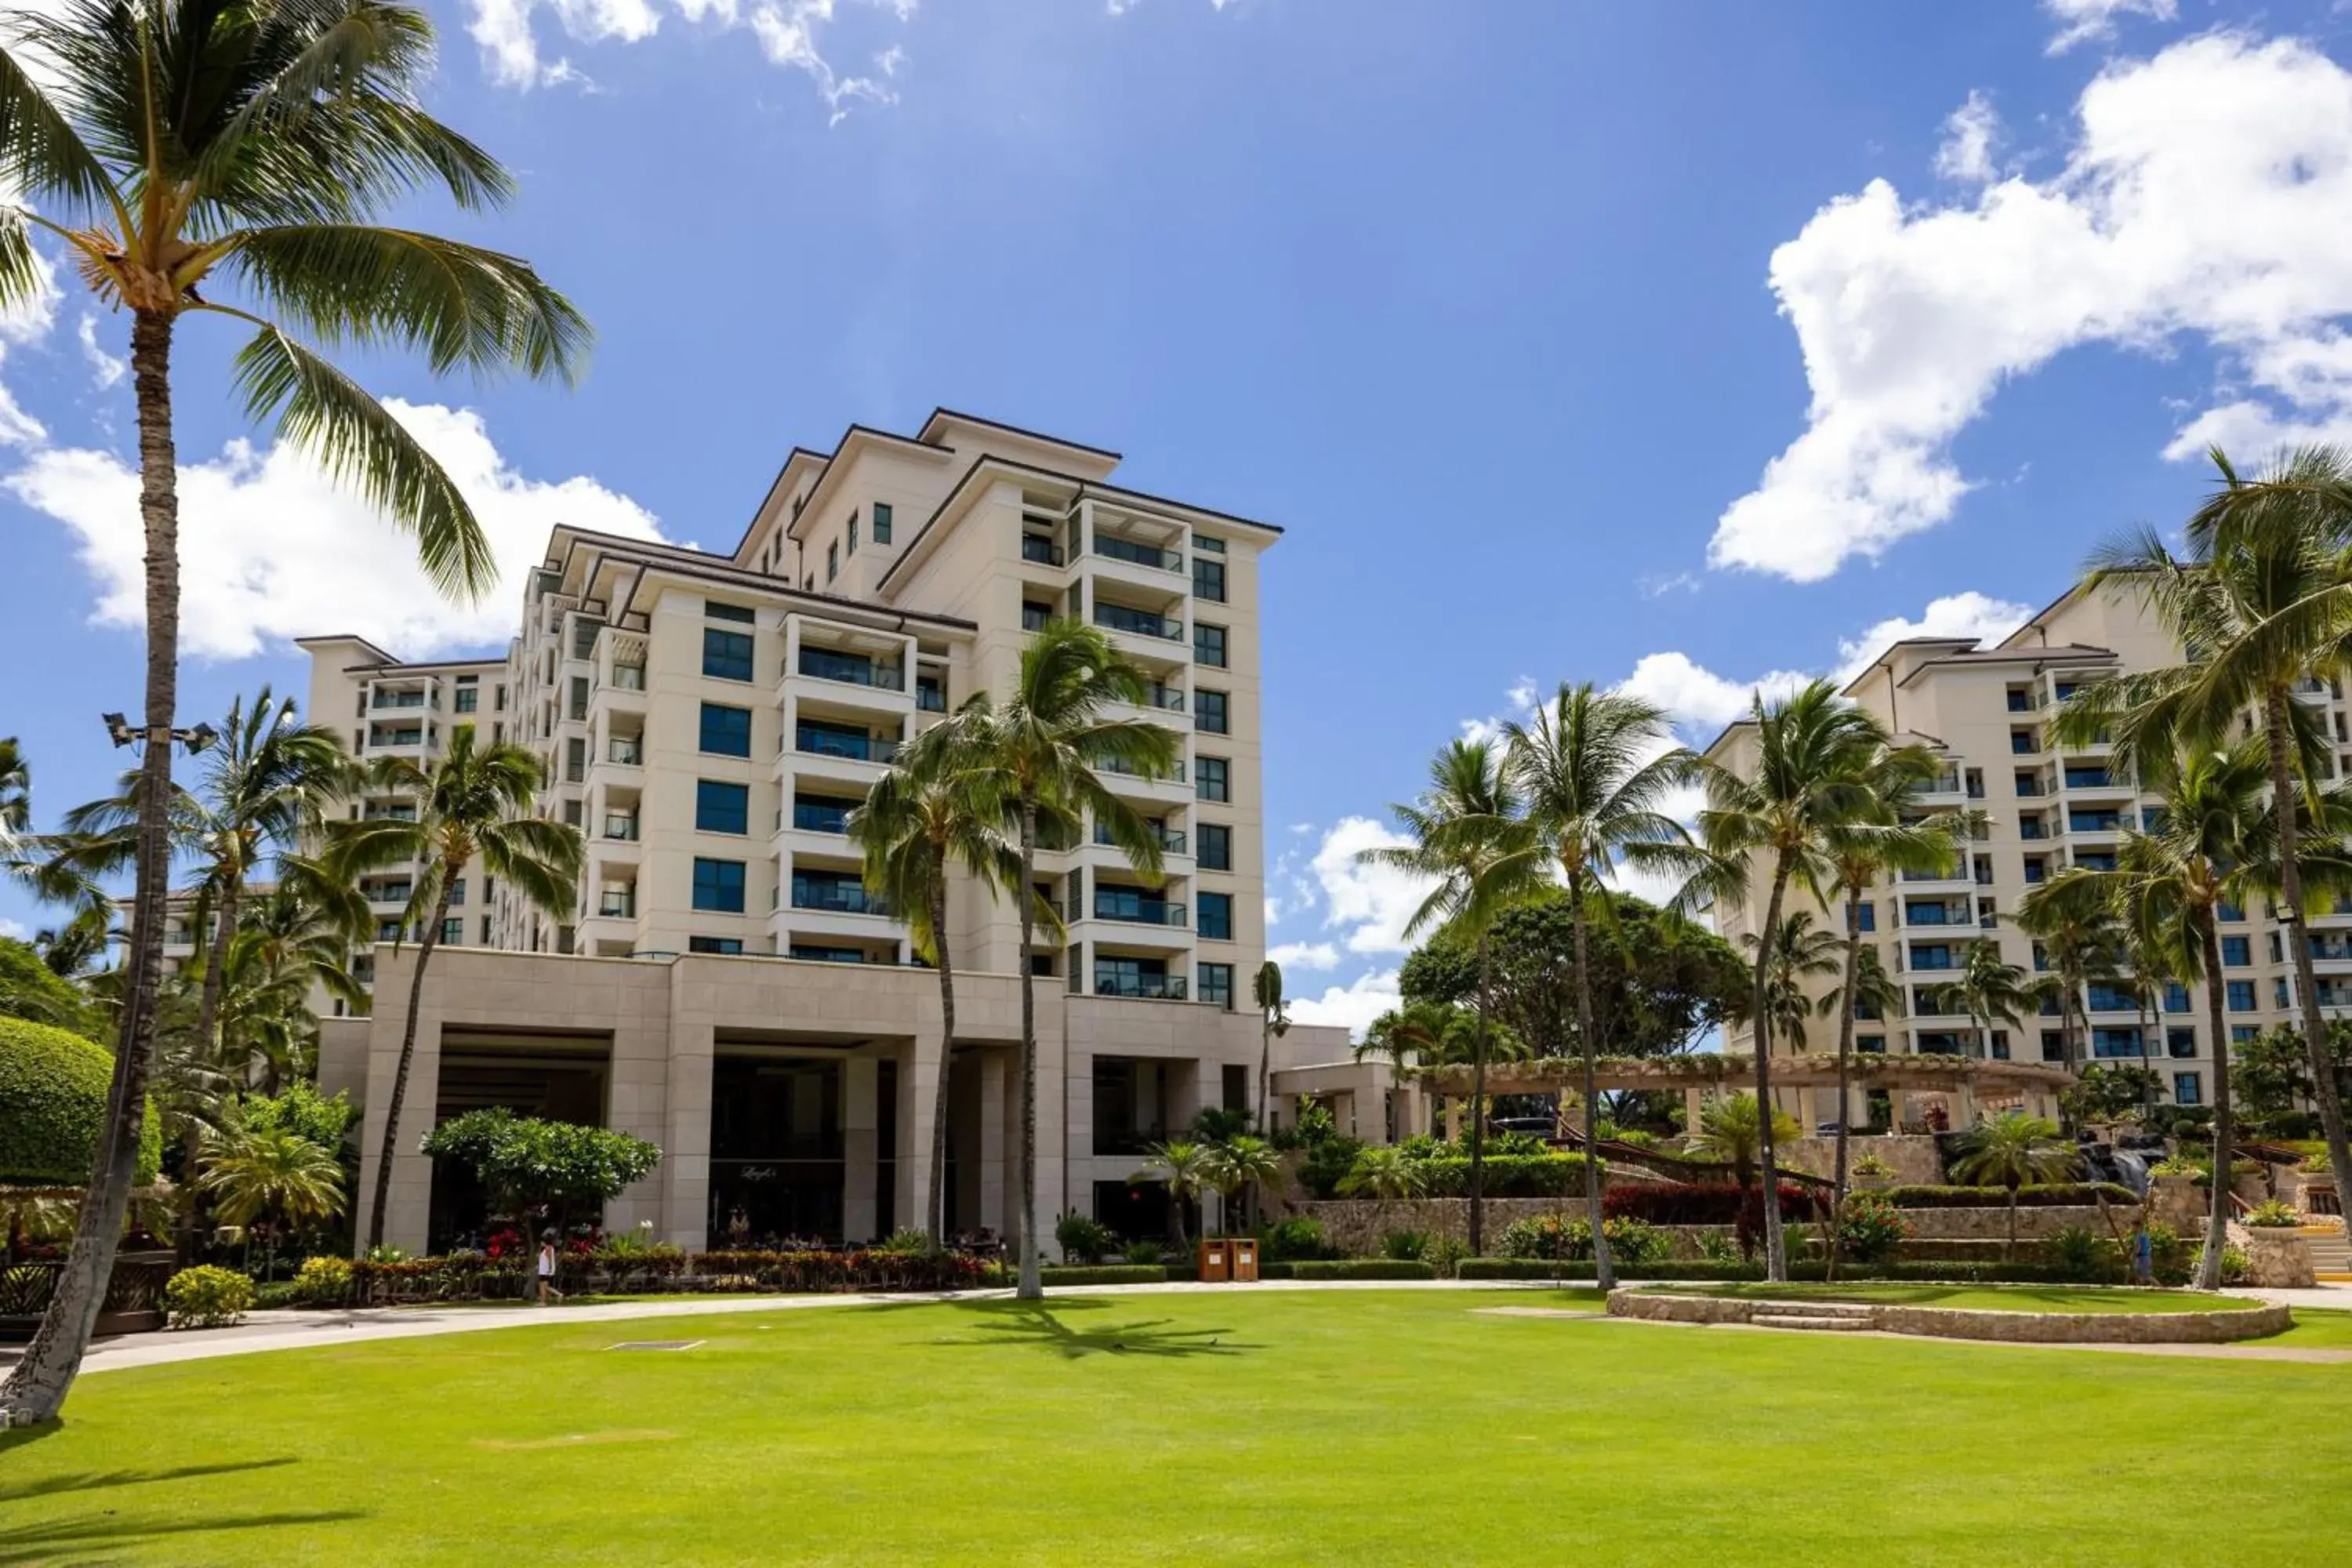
1042 1326
108 1480
99 1537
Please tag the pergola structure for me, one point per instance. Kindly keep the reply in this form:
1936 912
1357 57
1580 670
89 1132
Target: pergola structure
1966 1084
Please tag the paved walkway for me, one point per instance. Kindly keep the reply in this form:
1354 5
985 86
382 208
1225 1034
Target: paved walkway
279 1331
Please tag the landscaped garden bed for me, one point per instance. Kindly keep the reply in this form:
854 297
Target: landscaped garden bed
2045 1315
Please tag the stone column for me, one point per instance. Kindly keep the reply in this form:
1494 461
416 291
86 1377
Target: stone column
636 1102
860 1126
686 1199
1000 1107
920 1061
1694 1107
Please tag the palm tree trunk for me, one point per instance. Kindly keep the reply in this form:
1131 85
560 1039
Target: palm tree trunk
425 946
935 1220
2217 1222
2277 731
1032 1288
1479 1109
36 1388
1844 1067
207 1016
1604 1272
1776 1251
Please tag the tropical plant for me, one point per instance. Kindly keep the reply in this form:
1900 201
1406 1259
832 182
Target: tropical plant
475 799
265 1178
181 152
935 810
1042 746
1991 990
1272 1023
1870 1227
1598 771
2081 945
1799 954
2274 1214
1084 1238
1464 834
16 796
2010 1151
527 1164
1731 1130
1238 1163
1184 1165
1384 1172
206 1297
1809 784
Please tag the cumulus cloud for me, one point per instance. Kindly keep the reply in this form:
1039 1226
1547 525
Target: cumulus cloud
1371 904
2200 199
788 33
1969 136
2084 21
1697 695
1306 955
270 548
105 368
1519 704
1352 1007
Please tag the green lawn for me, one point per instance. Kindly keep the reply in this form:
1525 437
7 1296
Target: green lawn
1986 1298
1279 1426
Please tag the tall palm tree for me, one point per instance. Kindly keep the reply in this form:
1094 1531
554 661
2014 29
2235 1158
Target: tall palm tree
1184 1165
1043 743
1467 836
2011 1150
475 799
2082 943
15 794
1810 783
1272 1023
1733 1128
187 152
933 812
1598 770
1240 1162
1991 990
265 1175
2261 600
1799 954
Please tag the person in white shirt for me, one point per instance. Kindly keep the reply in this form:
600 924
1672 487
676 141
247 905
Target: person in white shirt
547 1268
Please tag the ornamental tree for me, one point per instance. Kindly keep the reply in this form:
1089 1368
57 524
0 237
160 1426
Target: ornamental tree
527 1164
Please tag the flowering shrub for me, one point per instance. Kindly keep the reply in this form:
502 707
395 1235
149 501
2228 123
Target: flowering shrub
1701 1203
208 1297
477 1276
323 1281
1870 1227
1562 1239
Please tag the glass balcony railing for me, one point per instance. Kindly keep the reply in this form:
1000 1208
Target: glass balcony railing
629 677
930 697
627 750
1169 698
840 897
1133 910
810 817
396 738
850 668
832 743
617 906
1142 623
1042 551
1178 774
1170 841
620 825
1146 987
398 699
1119 549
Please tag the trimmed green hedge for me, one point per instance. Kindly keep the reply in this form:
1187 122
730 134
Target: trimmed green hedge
1105 1273
52 1107
1698 1271
1507 1177
2052 1195
1348 1268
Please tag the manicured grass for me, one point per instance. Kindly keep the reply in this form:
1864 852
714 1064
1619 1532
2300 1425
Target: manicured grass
1987 1297
1291 1426
2317 1330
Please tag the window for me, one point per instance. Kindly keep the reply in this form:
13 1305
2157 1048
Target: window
853 533
1217 916
2237 952
578 708
881 522
1213 546
831 562
1209 645
721 807
572 812
719 885
726 731
2240 1033
1034 615
453 931
486 931
1216 847
726 944
1208 579
2229 911
2116 1042
1217 985
1210 714
2176 997
2240 995
1876 1043
1866 917
718 612
2179 1042
2053 1046
2188 1089
575 759
726 656
457 890
468 700
2278 995
1211 780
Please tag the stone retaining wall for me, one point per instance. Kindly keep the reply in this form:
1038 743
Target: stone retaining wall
2032 1224
2219 1326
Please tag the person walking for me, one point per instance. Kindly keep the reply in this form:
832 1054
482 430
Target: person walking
547 1268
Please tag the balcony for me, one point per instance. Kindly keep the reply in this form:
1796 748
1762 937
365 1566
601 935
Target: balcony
622 824
398 699
1171 842
1037 548
837 896
1140 623
814 742
852 670
1130 909
813 817
1113 547
627 750
617 904
1140 987
628 678
1181 773
930 697
1167 698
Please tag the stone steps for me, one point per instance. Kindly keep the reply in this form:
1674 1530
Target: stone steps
1817 1323
2331 1254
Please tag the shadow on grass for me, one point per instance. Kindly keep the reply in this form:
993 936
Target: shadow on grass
1043 1325
99 1537
94 1480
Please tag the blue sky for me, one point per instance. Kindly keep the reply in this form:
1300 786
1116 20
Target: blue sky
1679 346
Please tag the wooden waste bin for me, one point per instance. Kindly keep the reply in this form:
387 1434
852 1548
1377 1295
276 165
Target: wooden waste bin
1243 1251
1215 1257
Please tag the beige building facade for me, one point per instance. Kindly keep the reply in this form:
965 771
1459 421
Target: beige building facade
725 986
1987 712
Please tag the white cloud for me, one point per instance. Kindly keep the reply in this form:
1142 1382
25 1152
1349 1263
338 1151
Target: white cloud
788 32
22 324
1352 1007
14 930
1697 695
1980 616
1969 136
1519 704
1372 904
105 370
1306 955
271 549
2203 197
2084 21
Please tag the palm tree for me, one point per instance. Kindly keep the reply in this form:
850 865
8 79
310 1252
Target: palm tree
1732 1129
1240 1162
1991 990
2262 600
1799 954
1274 1022
1184 1166
2082 943
1042 746
1467 836
182 152
1810 783
934 810
15 794
264 1175
475 800
1598 770
2010 1151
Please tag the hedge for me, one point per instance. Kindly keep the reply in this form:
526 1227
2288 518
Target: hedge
1105 1273
466 1277
53 1089
1700 1203
2047 1195
1507 1177
1810 1272
1348 1268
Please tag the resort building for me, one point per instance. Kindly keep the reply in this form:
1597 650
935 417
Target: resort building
725 985
1987 710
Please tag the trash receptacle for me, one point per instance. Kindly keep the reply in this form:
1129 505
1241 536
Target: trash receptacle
1216 1260
1243 1249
